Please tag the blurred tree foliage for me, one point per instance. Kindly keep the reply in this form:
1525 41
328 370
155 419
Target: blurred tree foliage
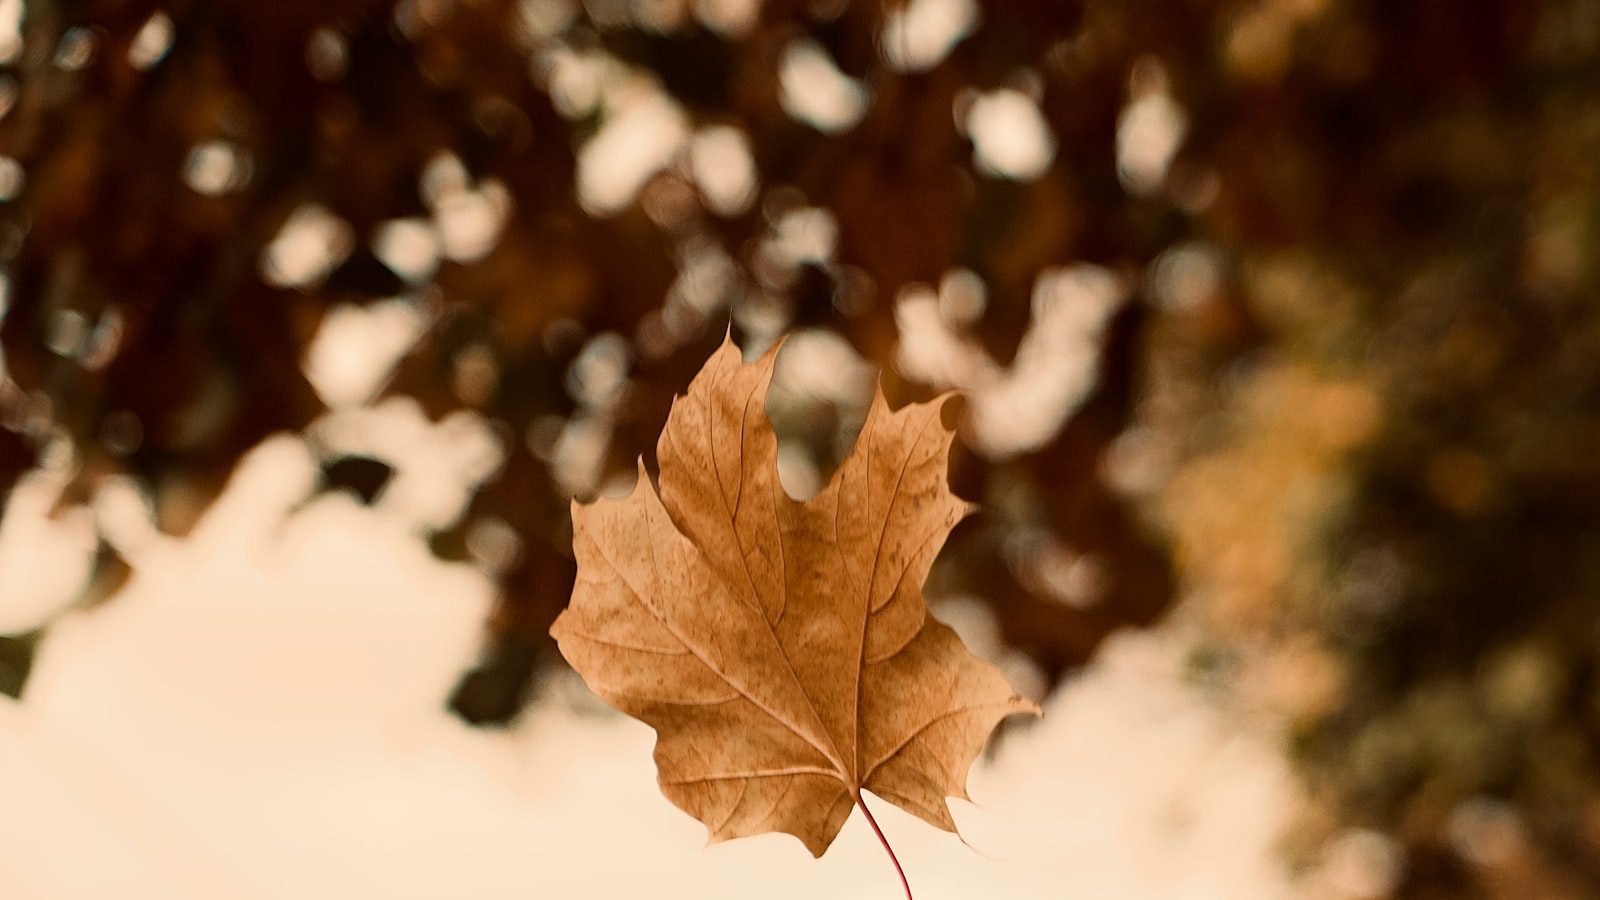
1356 389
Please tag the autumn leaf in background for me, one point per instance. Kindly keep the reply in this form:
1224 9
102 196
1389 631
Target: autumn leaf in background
782 650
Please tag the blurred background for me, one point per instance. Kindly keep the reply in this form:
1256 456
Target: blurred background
1277 320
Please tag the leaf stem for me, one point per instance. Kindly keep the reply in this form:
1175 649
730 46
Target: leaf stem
885 842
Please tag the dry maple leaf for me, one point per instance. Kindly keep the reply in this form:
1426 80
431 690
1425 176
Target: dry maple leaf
782 650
